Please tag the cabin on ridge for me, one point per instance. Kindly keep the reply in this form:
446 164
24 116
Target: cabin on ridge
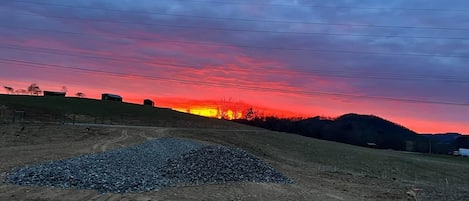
148 102
54 93
111 97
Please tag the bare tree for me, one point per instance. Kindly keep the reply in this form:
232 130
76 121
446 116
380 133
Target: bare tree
223 108
34 89
237 110
80 95
9 90
250 114
230 109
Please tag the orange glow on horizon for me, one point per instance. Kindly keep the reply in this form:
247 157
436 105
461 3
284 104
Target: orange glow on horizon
212 112
231 109
223 109
206 112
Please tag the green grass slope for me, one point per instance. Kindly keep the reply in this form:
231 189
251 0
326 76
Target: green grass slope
441 177
82 110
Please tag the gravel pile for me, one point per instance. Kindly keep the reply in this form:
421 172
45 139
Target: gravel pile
129 169
218 164
152 165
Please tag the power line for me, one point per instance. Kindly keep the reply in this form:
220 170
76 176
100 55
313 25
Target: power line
280 69
273 48
247 30
329 7
185 66
244 30
316 50
246 46
297 5
256 88
253 20
228 45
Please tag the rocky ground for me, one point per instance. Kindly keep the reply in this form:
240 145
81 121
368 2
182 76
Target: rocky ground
152 165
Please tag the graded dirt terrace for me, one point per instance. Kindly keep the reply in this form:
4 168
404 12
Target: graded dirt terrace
322 170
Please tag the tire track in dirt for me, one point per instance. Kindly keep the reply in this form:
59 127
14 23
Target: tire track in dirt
142 134
103 145
160 132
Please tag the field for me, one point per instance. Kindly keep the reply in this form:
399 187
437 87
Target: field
322 170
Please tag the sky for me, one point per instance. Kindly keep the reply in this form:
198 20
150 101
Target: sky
405 61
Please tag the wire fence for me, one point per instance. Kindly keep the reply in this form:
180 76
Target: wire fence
11 116
21 116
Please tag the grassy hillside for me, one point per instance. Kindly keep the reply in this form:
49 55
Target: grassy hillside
82 110
441 177
332 156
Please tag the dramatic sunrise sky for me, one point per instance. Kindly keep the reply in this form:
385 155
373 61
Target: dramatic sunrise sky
284 57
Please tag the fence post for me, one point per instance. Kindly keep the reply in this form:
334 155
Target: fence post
63 118
19 114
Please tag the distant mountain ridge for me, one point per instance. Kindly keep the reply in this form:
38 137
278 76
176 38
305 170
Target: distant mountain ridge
367 130
362 130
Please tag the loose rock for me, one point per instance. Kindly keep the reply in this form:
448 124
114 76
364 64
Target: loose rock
149 166
218 164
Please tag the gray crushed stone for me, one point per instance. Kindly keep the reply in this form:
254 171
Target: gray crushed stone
149 166
218 164
129 169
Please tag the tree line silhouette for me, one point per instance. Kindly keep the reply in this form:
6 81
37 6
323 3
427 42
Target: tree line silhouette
363 130
34 89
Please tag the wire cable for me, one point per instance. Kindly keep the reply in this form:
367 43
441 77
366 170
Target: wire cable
248 30
271 69
256 88
253 20
310 4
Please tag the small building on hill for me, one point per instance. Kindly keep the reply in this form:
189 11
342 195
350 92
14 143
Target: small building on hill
464 152
54 93
148 102
111 97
